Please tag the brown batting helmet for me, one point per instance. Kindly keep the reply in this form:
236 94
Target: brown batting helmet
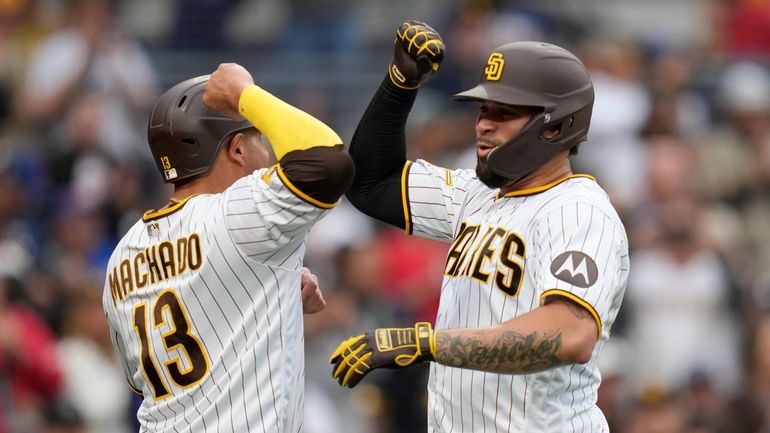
184 135
541 75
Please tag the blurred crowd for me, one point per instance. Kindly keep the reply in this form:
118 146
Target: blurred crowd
680 139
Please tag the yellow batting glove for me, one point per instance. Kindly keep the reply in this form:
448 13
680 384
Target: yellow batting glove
417 53
355 357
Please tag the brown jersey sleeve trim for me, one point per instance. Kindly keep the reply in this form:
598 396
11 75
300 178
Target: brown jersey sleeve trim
299 193
319 175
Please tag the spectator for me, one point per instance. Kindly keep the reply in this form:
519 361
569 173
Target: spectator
734 162
615 146
30 377
91 57
678 294
62 418
85 352
748 411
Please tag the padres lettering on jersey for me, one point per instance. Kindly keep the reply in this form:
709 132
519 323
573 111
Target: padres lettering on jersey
507 256
474 246
157 262
204 308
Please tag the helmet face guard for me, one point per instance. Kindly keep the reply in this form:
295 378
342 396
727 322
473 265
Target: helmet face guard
184 135
528 149
540 75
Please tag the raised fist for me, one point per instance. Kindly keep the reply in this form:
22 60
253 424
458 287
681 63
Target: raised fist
417 53
223 89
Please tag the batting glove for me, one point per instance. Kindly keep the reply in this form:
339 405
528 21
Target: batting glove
417 54
355 357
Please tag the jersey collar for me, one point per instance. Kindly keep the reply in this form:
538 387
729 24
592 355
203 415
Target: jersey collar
177 204
541 188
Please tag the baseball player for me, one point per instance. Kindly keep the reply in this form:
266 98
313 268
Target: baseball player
202 296
538 258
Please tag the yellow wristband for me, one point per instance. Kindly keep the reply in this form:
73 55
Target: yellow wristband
288 128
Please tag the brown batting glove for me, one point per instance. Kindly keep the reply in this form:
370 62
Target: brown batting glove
355 357
417 54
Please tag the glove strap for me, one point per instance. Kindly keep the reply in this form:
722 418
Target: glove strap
426 341
411 344
398 78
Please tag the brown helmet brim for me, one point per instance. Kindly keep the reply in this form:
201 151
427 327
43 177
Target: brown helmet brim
502 94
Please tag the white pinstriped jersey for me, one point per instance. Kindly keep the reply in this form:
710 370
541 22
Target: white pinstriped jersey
203 301
507 255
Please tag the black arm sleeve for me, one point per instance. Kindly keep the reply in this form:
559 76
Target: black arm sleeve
323 173
378 149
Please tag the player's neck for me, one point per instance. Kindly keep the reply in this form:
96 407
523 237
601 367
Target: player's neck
555 169
207 184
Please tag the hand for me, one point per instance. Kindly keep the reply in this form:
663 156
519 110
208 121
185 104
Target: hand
355 357
312 298
223 90
417 54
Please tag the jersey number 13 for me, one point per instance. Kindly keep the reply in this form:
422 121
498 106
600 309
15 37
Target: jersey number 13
178 336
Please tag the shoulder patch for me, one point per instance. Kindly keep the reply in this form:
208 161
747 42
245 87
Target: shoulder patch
576 268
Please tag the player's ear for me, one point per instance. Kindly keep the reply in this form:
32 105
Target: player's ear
235 150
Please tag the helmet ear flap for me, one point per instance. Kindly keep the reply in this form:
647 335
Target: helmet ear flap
551 132
574 128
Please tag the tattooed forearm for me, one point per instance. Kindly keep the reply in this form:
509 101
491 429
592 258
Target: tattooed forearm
509 352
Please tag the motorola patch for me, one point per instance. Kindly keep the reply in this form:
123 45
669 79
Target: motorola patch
576 268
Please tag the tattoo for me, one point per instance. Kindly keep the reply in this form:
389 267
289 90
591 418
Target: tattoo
578 311
510 352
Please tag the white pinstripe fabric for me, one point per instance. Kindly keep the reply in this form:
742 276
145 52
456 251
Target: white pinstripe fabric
243 304
574 215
